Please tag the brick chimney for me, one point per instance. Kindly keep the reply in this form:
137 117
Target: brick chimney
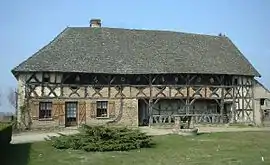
95 23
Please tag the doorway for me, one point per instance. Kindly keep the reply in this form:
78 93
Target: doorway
143 114
71 113
228 115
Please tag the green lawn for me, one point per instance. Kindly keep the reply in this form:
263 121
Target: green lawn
218 148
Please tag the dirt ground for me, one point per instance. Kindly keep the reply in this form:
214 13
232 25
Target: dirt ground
28 137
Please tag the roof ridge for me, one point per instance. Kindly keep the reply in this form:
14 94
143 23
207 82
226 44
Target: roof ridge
153 30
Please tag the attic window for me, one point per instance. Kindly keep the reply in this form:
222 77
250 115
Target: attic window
46 77
77 79
262 101
199 79
123 79
212 80
162 79
95 79
235 81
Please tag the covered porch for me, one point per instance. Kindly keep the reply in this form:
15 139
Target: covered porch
167 111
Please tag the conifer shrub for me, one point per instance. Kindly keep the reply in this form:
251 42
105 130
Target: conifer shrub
101 138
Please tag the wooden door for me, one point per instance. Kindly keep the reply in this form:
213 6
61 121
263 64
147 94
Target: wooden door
71 113
228 112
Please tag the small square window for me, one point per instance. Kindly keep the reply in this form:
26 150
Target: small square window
45 110
102 108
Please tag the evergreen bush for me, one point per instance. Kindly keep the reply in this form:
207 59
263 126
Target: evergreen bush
101 138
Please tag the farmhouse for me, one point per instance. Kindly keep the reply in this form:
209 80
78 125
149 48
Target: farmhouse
262 104
100 75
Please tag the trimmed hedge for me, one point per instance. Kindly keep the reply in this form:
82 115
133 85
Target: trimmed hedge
100 138
5 133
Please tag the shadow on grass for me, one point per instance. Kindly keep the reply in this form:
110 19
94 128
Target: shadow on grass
15 154
201 133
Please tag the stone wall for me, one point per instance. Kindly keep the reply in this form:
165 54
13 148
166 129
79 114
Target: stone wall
125 116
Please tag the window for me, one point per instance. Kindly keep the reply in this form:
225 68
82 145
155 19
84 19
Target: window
228 80
45 110
235 81
102 110
71 109
262 101
46 77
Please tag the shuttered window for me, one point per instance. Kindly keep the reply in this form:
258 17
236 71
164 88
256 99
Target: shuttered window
45 110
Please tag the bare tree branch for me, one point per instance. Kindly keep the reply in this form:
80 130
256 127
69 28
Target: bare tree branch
12 97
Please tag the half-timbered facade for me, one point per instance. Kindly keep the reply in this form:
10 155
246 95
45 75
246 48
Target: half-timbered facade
98 75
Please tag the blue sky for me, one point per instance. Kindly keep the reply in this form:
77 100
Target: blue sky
26 26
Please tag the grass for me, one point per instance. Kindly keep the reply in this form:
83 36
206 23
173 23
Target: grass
206 149
4 125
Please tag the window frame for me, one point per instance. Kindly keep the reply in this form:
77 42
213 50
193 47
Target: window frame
235 81
70 106
100 108
46 108
46 78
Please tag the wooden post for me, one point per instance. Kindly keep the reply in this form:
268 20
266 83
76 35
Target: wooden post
176 126
253 99
222 105
187 106
234 106
243 101
222 83
150 112
150 104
